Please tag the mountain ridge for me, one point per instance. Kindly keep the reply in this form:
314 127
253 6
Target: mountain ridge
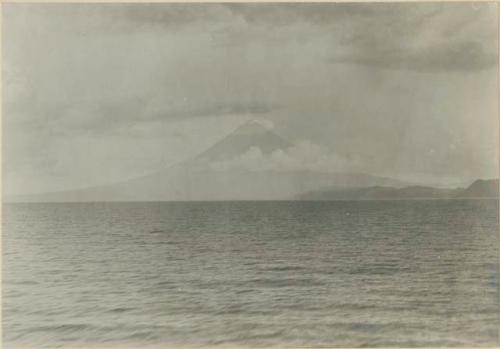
196 179
478 189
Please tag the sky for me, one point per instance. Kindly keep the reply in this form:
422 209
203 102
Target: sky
99 93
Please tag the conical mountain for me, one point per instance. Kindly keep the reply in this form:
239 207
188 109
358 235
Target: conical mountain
250 134
197 178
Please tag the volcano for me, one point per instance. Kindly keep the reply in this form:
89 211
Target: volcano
196 180
250 134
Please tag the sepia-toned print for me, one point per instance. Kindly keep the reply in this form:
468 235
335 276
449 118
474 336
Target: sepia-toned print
250 175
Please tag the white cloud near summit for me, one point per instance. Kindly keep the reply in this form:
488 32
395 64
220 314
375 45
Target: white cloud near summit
304 156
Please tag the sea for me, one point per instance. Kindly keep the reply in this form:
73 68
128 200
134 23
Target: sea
417 273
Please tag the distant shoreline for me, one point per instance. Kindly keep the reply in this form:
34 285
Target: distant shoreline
243 201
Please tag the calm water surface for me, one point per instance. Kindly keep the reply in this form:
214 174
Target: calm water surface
256 274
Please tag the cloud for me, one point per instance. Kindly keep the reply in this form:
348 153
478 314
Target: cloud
87 117
188 108
285 14
403 36
334 73
425 38
450 56
173 15
305 156
412 36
